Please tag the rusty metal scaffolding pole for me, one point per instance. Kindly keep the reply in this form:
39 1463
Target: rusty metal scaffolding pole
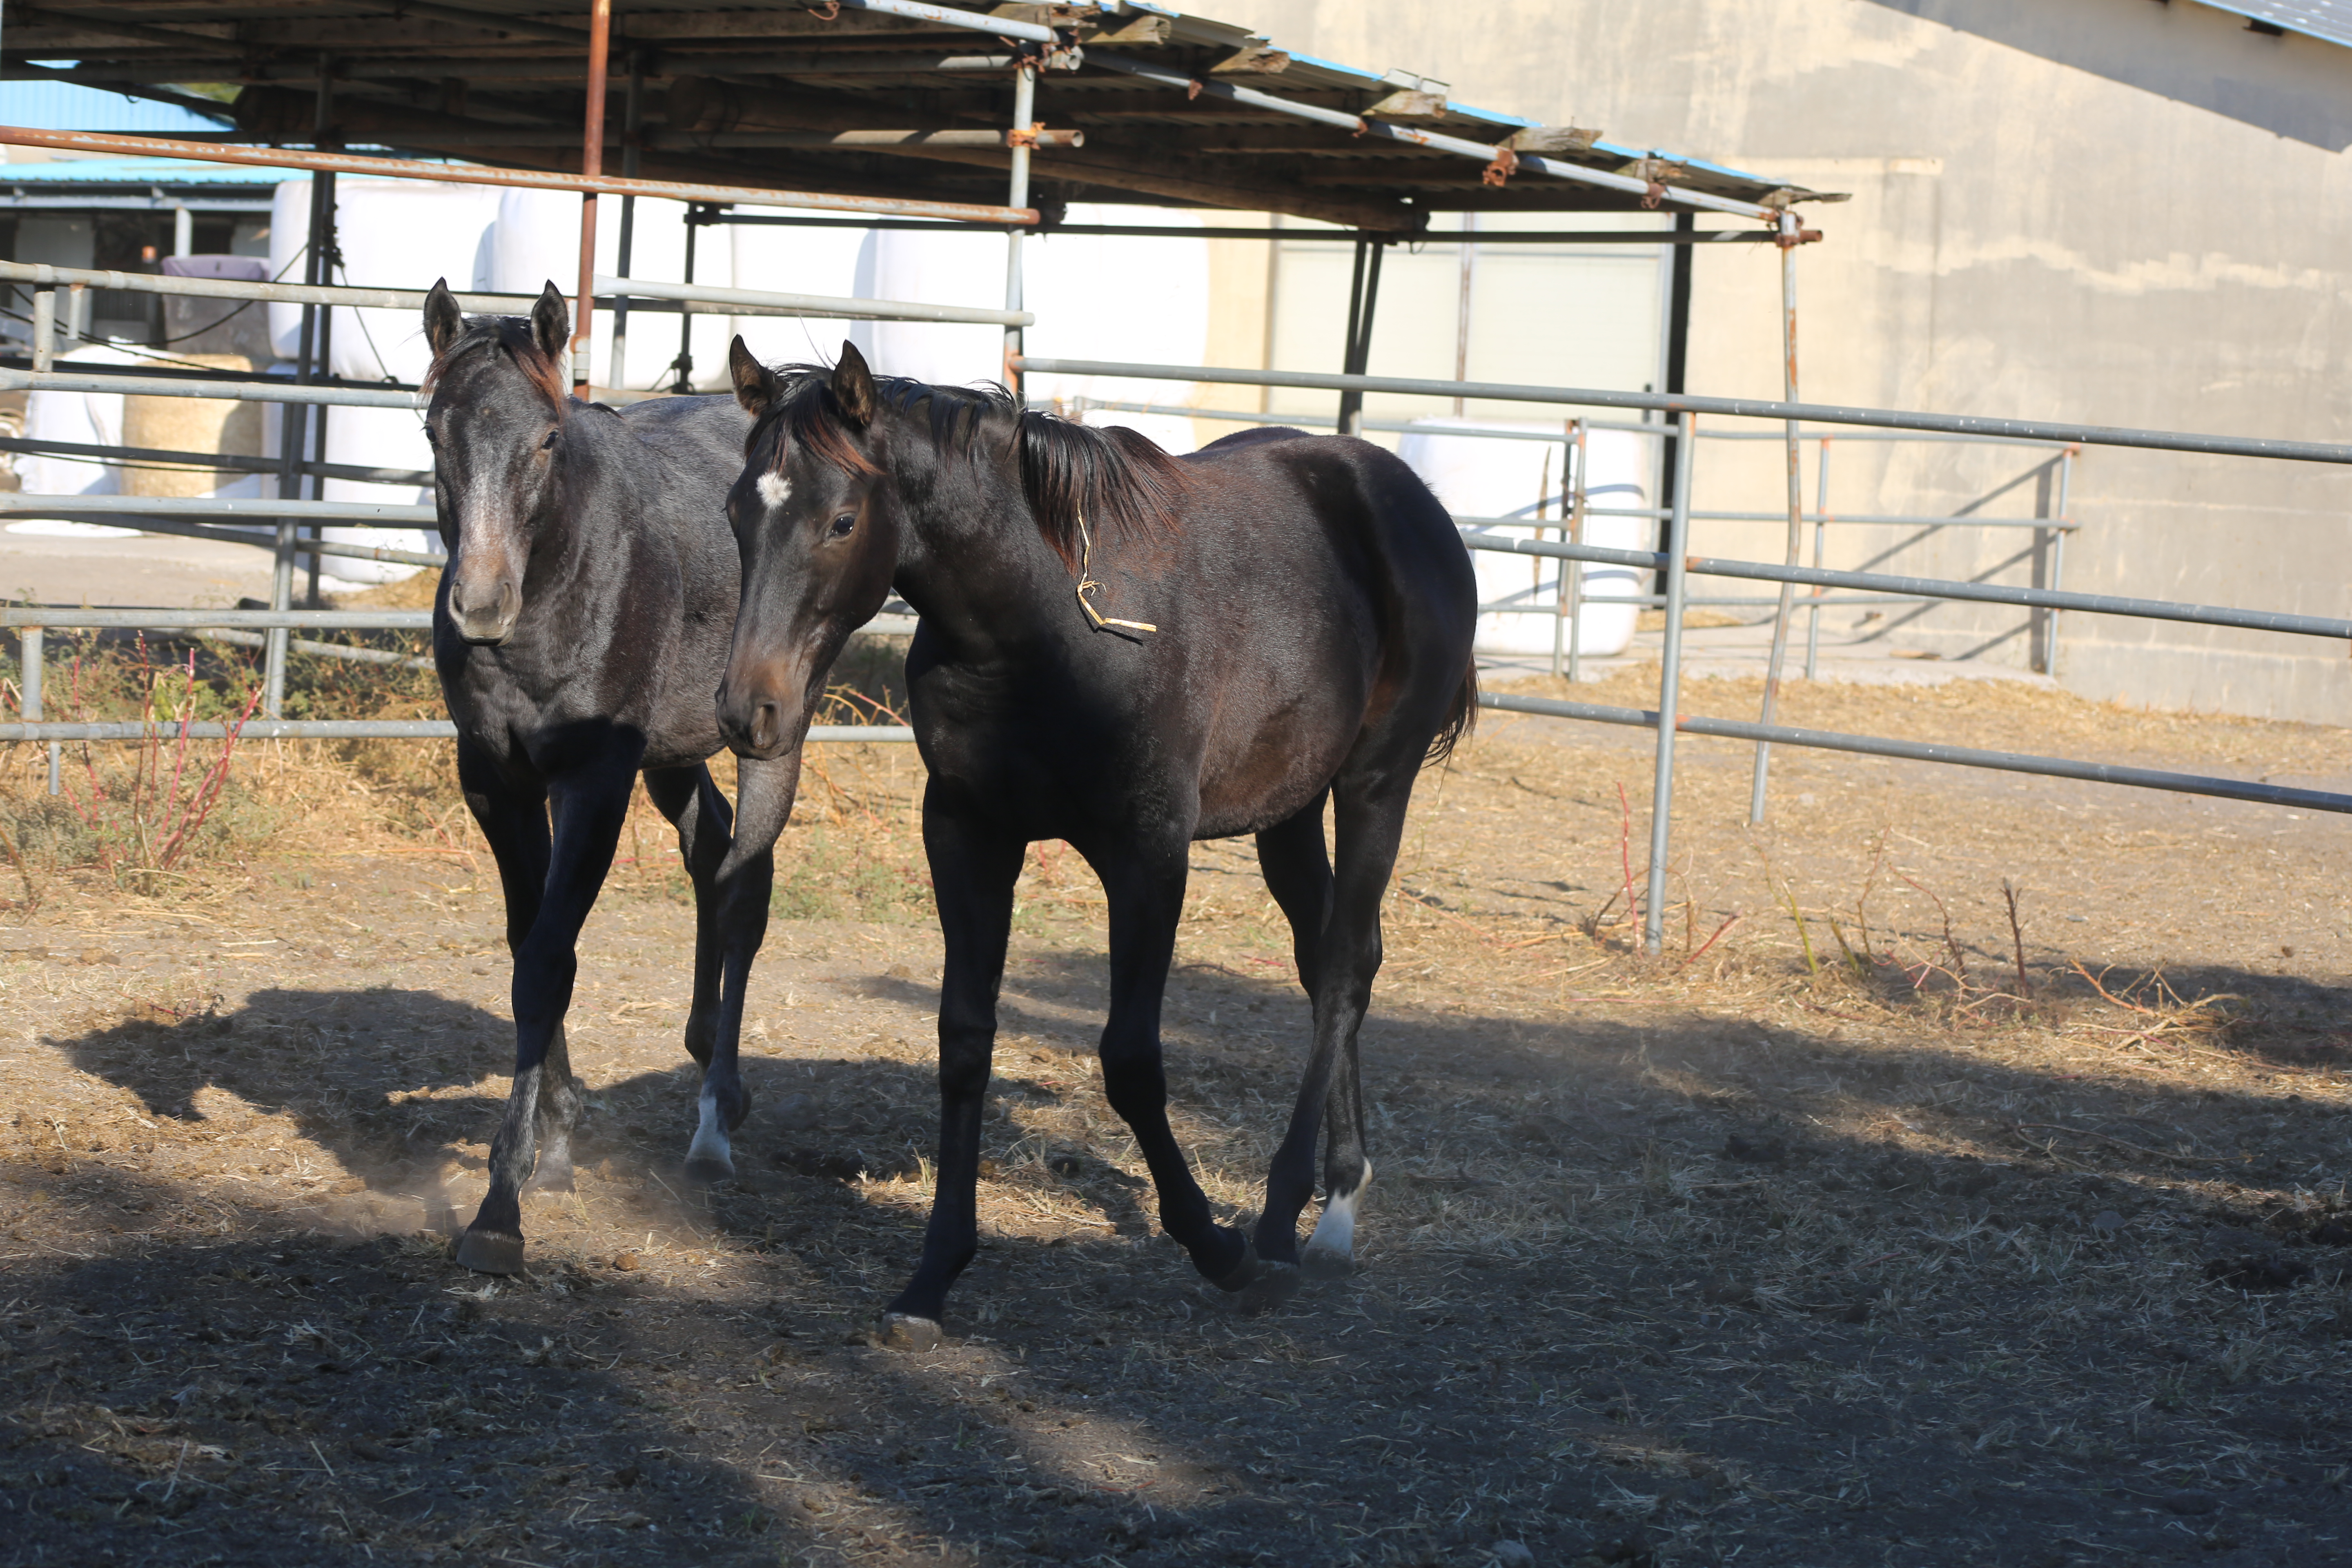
1025 130
1786 610
329 256
632 141
592 166
294 431
486 175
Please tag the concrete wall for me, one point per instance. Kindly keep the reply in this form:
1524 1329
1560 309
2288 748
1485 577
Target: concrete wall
2115 211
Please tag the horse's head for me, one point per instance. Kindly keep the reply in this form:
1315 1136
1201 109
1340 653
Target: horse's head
496 422
814 519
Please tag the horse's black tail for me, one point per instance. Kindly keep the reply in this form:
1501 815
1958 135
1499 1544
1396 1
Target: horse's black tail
1460 718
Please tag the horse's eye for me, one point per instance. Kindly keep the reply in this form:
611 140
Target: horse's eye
547 445
843 523
431 439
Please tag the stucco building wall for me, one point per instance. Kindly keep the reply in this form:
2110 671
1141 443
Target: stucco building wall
2115 211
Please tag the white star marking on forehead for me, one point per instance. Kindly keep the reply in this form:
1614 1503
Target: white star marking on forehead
775 489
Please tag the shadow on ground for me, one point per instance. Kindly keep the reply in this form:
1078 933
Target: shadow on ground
1676 1289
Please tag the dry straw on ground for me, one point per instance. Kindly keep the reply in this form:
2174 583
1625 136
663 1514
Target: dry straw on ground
1964 1184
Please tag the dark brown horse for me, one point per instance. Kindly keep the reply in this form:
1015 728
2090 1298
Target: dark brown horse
581 628
1128 651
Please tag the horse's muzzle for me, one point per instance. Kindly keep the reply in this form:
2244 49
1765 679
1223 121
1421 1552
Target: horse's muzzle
485 612
753 724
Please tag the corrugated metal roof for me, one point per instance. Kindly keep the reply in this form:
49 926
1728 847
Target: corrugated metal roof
1174 108
2330 20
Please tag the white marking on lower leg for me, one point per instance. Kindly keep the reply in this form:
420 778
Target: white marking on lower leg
710 1136
1335 1230
775 489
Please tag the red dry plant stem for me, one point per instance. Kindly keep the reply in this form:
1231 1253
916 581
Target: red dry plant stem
209 789
2128 1007
2016 935
850 695
147 761
172 803
1736 918
88 814
1626 845
1959 962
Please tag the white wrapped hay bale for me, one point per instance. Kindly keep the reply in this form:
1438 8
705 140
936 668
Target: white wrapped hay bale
536 241
1501 477
378 438
392 234
208 424
966 268
1142 300
782 259
81 419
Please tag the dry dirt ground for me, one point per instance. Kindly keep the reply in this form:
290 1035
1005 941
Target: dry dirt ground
1874 1232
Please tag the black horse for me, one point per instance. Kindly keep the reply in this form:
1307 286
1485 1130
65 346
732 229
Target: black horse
1128 651
581 627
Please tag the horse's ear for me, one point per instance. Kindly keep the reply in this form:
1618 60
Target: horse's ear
853 386
755 384
443 322
551 322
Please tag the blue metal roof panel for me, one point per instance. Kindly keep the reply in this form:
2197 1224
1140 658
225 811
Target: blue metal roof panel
1495 116
2328 20
141 172
68 106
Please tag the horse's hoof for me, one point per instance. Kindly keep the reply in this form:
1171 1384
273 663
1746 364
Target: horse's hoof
1244 1273
1276 1283
904 1331
1325 1264
704 1171
1257 1285
486 1252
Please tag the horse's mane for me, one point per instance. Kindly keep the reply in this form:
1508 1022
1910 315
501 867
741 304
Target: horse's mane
511 334
1112 479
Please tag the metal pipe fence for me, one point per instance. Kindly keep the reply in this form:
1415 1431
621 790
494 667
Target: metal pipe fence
1675 560
343 729
1677 564
277 524
1730 407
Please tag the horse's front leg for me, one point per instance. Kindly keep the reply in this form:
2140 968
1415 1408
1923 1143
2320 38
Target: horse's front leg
730 922
589 808
1145 885
973 868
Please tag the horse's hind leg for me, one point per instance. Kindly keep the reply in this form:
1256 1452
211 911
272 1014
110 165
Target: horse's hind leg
731 920
1370 827
1298 873
1145 891
544 1100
